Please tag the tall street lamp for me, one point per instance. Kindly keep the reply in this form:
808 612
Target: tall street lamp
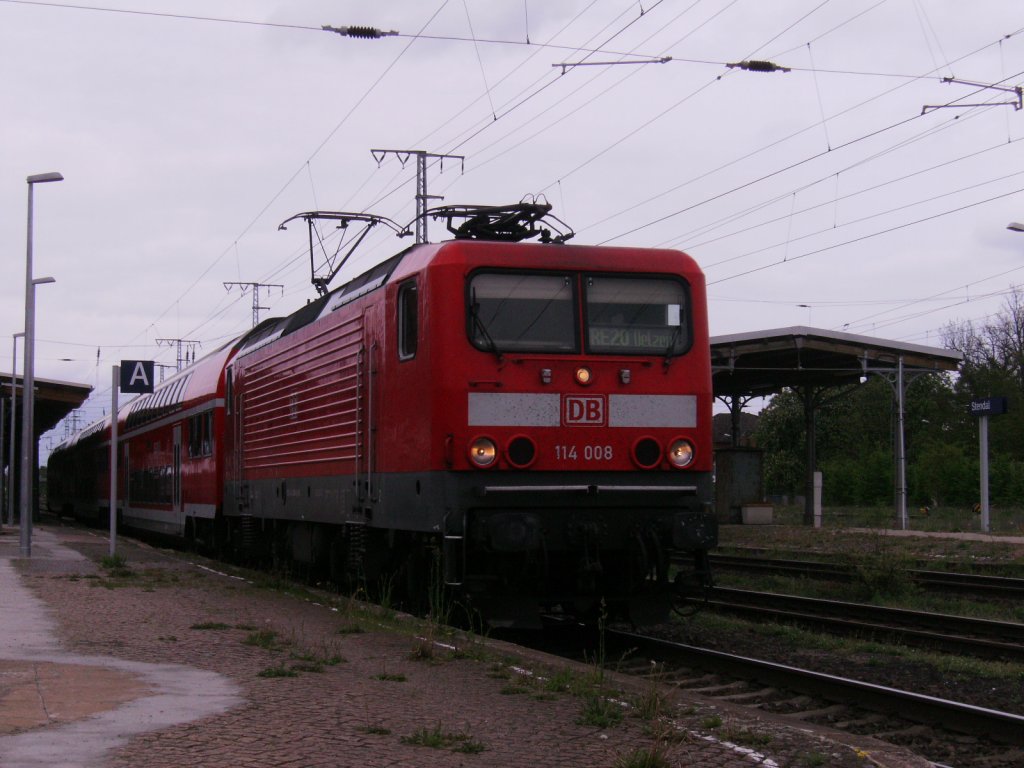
28 377
14 421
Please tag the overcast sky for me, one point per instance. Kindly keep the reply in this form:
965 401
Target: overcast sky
187 131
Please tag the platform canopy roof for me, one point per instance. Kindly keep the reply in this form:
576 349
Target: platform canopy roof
763 362
54 399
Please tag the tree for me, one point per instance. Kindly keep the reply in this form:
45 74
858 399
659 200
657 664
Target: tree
856 439
780 434
993 366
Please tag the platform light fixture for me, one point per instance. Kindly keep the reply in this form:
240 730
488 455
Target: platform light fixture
28 376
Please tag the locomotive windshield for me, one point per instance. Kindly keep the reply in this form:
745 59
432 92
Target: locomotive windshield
532 312
522 312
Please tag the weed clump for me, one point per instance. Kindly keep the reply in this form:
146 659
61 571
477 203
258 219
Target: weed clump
263 638
600 711
438 738
643 758
213 625
883 574
277 671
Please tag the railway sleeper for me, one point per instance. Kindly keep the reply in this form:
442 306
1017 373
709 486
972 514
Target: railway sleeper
861 722
718 691
750 697
899 735
822 712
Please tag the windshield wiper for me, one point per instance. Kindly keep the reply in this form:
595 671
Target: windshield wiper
481 329
672 345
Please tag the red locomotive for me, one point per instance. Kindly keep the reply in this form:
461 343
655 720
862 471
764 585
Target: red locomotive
530 422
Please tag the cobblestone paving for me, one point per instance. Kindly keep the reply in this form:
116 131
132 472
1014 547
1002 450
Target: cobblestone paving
363 698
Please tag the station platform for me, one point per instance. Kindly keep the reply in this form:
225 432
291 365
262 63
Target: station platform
990 538
175 660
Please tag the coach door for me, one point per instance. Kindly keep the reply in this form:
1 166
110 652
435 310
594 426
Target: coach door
236 495
369 406
176 505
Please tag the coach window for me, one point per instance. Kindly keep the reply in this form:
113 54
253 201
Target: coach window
408 320
637 315
200 435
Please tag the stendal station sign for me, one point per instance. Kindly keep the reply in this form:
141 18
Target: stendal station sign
137 376
991 406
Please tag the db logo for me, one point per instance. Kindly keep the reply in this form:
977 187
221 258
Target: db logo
577 410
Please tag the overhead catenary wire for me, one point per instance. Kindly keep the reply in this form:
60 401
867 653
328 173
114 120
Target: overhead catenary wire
687 239
290 265
395 189
515 105
789 241
550 124
355 31
819 6
867 236
422 36
479 58
749 155
292 178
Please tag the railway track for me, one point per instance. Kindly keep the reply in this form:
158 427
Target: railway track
945 732
981 638
977 584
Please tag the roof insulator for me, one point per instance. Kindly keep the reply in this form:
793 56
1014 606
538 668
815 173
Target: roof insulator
759 66
361 32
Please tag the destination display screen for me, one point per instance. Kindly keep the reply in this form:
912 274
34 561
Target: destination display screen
653 340
636 315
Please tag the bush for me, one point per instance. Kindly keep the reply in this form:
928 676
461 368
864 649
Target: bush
943 474
864 480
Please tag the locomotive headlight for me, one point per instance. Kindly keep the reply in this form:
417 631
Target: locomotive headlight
483 452
584 376
680 453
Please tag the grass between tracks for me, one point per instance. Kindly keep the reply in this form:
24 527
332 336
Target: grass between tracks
880 564
855 531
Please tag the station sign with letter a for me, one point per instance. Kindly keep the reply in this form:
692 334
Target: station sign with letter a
137 376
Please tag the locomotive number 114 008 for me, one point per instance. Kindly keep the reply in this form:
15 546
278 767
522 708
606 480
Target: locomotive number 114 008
587 452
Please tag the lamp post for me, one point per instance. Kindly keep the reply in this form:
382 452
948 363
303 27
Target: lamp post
14 421
3 475
28 377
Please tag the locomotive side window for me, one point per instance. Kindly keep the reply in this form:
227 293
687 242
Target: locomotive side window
522 312
408 320
637 316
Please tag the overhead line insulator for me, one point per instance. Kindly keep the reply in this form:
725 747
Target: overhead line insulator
365 33
755 65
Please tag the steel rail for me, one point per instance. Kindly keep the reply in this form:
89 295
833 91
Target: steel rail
1005 727
933 580
976 637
